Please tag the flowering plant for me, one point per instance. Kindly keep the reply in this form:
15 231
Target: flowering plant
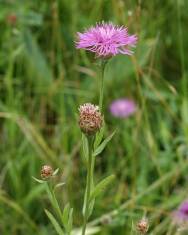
105 40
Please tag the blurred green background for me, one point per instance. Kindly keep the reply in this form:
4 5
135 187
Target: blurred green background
43 79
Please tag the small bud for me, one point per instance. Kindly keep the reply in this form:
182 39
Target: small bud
46 172
106 220
90 118
12 19
142 226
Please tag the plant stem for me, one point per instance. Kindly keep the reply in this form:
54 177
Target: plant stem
89 183
101 95
91 159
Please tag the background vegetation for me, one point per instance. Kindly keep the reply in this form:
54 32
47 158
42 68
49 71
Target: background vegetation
43 79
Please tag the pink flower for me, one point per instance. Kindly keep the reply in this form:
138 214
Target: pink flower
122 108
106 40
181 215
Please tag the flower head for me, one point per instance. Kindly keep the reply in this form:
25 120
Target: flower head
142 226
90 118
46 172
181 215
106 40
122 108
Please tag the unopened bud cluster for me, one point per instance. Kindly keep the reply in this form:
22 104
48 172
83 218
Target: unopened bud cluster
90 119
46 172
142 226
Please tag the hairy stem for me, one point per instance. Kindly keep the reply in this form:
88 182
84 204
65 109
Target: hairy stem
89 183
101 95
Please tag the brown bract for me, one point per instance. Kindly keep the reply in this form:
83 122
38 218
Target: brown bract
142 226
46 172
90 119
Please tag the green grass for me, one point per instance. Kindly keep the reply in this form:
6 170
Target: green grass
43 79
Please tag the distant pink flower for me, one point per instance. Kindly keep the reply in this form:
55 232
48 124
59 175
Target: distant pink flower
106 40
122 108
181 215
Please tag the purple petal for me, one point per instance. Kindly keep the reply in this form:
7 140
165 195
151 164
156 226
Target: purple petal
106 39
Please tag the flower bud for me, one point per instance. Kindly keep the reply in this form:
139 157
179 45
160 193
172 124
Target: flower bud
142 226
46 172
90 119
12 19
106 219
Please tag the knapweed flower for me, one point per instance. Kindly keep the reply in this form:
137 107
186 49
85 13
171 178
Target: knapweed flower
122 108
106 40
46 172
90 118
181 215
142 226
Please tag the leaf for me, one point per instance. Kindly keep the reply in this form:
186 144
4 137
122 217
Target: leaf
59 185
70 222
99 136
53 201
39 181
89 230
85 148
100 187
91 206
55 223
55 172
103 145
65 217
84 205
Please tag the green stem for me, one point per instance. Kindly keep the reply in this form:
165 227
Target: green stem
89 183
101 95
54 202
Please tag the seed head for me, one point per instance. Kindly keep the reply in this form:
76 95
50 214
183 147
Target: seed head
142 226
90 119
46 172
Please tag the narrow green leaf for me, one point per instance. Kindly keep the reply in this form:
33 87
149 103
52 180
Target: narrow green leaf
59 185
70 221
54 201
100 187
99 136
103 145
84 205
85 148
55 172
65 217
91 206
90 230
54 223
39 181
